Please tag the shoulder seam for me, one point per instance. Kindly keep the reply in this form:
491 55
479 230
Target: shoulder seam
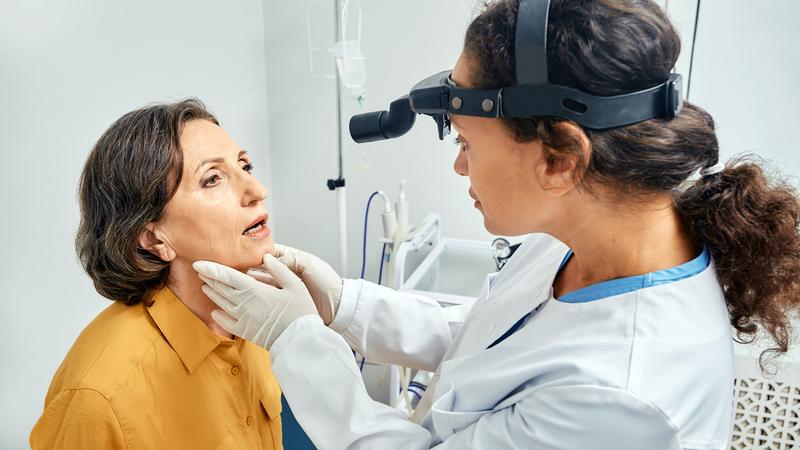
130 373
110 405
123 379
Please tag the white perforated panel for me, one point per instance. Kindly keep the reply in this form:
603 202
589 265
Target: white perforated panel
766 414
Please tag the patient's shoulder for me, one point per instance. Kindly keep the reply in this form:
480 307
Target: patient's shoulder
106 351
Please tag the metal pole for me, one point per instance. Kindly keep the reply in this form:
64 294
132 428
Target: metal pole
338 89
339 184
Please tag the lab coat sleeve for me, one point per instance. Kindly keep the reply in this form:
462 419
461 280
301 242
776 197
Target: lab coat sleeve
323 386
395 327
78 418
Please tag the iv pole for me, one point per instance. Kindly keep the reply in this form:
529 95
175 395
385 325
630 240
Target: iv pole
338 184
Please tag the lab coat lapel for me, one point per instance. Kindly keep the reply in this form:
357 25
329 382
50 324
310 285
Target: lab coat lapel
510 294
506 297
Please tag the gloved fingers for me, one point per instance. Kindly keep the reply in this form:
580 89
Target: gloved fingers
282 274
221 288
289 255
263 277
270 330
225 304
224 274
281 250
291 261
224 320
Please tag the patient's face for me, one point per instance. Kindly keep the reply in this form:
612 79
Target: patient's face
218 205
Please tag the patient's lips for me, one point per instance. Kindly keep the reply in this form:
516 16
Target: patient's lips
258 228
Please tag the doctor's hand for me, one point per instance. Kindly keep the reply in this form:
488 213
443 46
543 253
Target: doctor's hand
324 284
254 310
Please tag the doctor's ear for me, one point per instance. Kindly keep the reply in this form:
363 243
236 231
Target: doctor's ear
150 240
564 161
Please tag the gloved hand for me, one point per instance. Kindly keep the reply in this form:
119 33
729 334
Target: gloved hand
254 310
324 284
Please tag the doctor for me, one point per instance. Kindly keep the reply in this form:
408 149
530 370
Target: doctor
610 328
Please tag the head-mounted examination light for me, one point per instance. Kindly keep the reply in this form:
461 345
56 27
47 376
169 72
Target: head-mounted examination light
533 96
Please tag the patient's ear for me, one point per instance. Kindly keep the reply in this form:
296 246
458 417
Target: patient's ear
150 240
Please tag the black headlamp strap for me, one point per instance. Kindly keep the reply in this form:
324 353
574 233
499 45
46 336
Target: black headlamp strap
530 46
534 96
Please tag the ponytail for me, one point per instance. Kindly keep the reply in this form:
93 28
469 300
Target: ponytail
749 224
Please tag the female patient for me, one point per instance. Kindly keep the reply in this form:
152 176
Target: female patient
163 187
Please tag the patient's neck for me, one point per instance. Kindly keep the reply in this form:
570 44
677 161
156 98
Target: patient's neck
185 283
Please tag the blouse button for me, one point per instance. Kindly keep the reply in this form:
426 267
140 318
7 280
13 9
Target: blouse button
249 420
235 370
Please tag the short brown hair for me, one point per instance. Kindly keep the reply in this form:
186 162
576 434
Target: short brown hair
131 173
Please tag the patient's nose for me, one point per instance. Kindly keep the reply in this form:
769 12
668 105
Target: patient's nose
254 192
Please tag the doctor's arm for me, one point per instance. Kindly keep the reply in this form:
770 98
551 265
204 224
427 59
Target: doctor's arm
378 322
396 327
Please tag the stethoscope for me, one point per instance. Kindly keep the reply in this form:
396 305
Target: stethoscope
502 250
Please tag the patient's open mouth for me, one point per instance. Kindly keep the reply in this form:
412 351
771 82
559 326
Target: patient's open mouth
257 228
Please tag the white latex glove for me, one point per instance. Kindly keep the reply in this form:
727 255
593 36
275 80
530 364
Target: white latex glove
324 284
254 310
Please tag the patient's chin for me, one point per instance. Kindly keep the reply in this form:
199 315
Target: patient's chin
244 264
240 258
254 257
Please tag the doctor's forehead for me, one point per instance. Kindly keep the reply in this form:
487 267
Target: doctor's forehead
461 71
461 78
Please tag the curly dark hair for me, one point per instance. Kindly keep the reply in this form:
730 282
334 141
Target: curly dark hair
130 175
747 218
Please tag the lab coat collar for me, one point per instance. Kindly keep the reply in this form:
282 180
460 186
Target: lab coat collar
535 263
185 332
522 285
527 279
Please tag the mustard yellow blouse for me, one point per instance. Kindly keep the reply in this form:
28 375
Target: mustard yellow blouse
157 378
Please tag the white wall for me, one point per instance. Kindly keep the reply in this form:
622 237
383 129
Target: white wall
404 42
746 74
68 69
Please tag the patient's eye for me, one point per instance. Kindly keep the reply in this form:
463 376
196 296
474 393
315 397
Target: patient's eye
213 180
246 165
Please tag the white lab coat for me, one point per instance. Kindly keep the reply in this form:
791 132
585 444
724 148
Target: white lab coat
649 369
